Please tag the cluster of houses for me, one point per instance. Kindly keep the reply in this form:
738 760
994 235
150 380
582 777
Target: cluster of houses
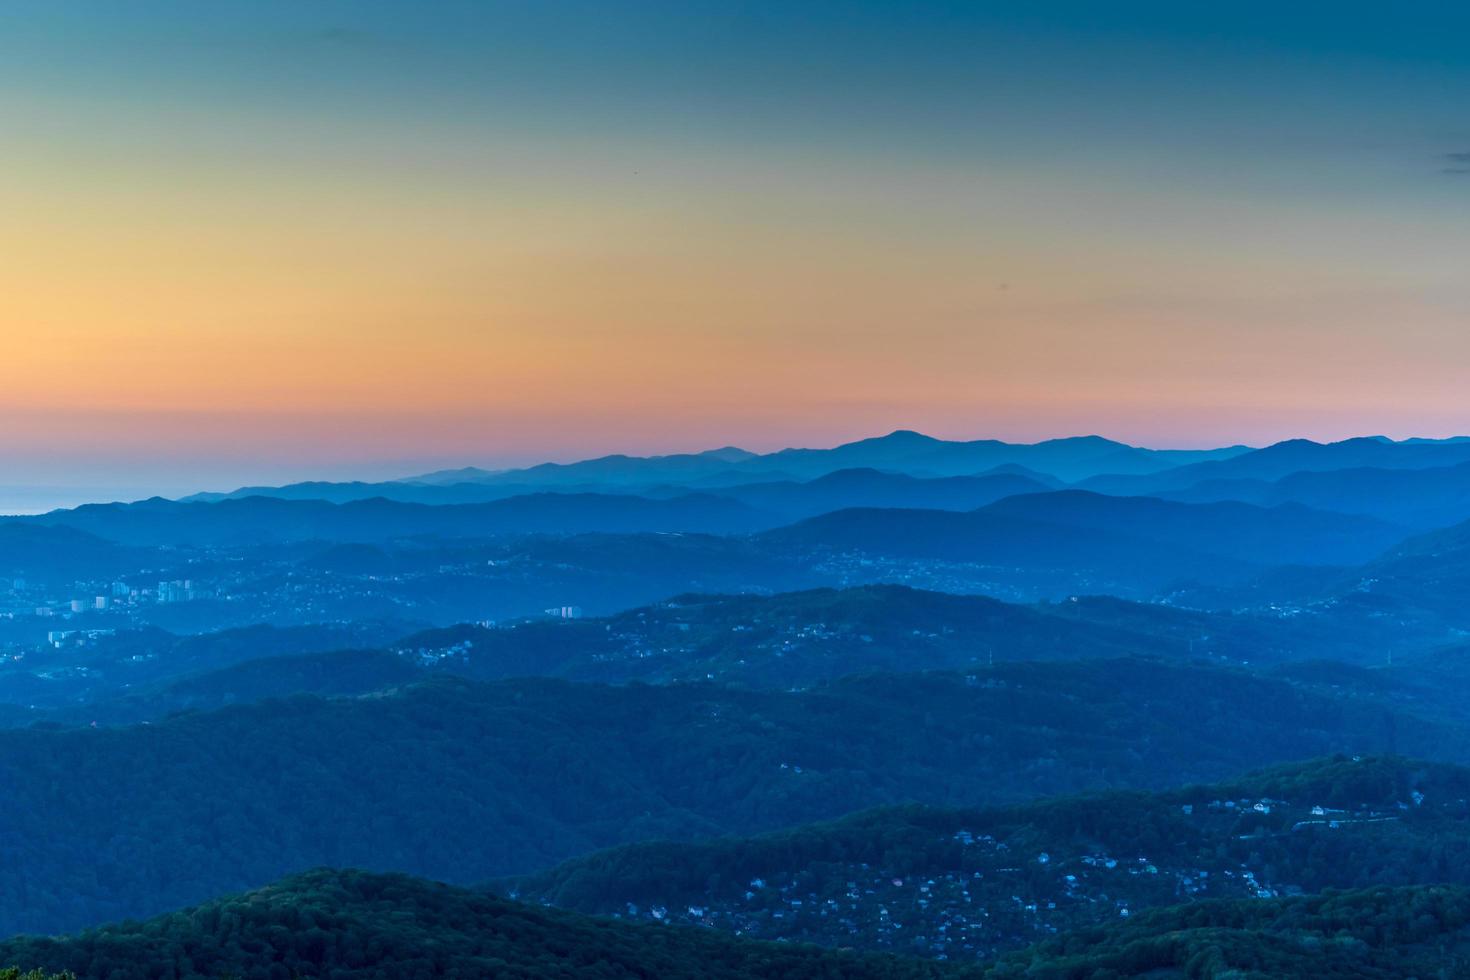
979 894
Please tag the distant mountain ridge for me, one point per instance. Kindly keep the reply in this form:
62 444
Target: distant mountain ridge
1089 542
789 498
1421 483
1424 498
1285 533
904 452
269 519
1292 456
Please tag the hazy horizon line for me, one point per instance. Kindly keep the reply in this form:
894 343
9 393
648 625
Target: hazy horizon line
25 498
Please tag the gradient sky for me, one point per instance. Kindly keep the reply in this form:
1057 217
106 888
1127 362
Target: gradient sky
266 240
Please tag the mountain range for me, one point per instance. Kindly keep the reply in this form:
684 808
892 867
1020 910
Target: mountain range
846 696
1090 462
903 451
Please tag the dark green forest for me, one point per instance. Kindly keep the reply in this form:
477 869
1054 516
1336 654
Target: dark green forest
465 782
1377 934
1428 841
350 924
956 882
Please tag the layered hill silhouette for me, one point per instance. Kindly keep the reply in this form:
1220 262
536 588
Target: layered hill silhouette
260 520
155 672
901 451
874 488
598 551
1293 456
345 516
1074 541
786 641
786 498
1094 463
464 782
1417 498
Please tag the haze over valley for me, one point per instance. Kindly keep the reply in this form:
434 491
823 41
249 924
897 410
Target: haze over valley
734 490
490 678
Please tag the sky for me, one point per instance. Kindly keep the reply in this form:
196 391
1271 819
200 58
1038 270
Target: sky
259 241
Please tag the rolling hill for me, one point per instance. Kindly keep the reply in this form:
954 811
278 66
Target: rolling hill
787 641
792 639
1382 933
1070 542
1422 499
464 782
260 520
1292 456
1426 576
61 554
1020 559
784 499
911 452
902 452
962 884
1289 534
73 682
349 924
872 488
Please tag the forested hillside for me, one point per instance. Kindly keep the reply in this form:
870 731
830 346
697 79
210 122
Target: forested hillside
349 924
1378 934
962 883
463 782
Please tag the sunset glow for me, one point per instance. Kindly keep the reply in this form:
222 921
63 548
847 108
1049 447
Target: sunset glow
258 236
